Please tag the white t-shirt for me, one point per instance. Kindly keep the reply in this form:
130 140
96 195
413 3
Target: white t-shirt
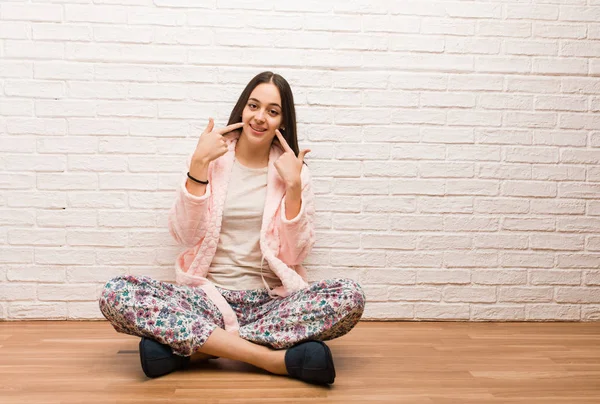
237 262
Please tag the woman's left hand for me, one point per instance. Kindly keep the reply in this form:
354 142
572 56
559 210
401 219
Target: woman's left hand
288 165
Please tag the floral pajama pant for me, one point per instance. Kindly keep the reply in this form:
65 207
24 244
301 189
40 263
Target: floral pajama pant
183 317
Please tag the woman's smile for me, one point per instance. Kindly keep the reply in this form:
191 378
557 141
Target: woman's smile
256 130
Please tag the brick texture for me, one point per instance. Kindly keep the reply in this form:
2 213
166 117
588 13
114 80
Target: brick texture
455 145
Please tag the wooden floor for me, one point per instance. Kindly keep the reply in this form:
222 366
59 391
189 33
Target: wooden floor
404 362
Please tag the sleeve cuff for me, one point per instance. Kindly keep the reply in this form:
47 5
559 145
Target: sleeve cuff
193 198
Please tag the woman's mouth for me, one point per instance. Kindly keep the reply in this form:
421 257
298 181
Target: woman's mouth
257 131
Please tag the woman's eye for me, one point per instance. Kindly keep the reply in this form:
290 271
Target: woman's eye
252 105
274 112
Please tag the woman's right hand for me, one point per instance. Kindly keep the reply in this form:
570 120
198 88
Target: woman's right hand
211 144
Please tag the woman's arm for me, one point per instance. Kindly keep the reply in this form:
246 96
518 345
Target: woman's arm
188 217
197 171
293 201
297 234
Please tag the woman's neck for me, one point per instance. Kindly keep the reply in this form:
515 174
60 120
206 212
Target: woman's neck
251 156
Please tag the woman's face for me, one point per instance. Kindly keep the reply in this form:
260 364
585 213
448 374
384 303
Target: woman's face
262 114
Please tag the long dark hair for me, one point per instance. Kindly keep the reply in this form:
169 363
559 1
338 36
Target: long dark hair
288 109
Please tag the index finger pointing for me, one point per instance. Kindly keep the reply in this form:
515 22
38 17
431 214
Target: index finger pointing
282 141
230 128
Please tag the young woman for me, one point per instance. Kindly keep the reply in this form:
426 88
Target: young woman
245 213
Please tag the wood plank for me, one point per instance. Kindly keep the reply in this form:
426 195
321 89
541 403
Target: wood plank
378 362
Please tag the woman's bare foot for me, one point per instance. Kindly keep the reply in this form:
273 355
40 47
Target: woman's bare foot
276 362
199 356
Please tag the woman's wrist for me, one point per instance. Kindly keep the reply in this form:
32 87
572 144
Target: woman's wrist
293 201
294 186
294 190
198 170
200 160
196 180
194 188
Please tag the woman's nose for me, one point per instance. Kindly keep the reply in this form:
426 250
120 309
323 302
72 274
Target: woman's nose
260 115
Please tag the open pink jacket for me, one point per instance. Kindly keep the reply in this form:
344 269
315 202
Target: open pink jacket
195 222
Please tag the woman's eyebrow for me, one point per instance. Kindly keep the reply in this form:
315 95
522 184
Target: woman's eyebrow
273 103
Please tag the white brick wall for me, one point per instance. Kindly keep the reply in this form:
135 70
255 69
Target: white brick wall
455 145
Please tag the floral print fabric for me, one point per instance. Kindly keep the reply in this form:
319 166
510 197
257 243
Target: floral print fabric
183 317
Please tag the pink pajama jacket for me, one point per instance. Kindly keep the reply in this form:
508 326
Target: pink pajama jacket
195 222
